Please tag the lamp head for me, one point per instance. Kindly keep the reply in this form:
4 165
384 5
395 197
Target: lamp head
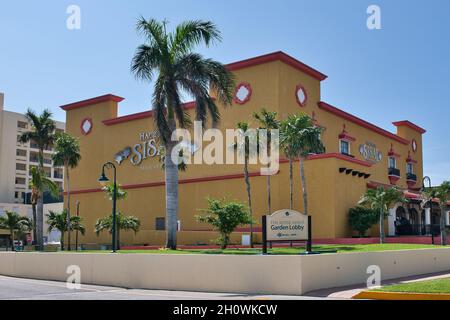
103 179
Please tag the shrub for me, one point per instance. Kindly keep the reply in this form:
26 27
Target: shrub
362 219
225 217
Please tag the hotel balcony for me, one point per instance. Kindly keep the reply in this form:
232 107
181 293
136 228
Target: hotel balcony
58 175
411 180
394 175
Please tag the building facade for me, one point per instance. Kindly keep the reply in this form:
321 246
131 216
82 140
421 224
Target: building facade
17 159
359 155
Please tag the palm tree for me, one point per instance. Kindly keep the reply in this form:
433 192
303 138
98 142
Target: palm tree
268 121
43 134
38 184
14 222
244 147
299 137
381 200
442 195
178 70
67 154
123 222
58 221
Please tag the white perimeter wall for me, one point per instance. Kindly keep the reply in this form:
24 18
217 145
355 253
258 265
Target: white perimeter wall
293 275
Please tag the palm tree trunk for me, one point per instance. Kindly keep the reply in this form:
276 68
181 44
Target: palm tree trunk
303 178
68 206
61 239
118 237
382 227
33 206
40 222
291 183
249 195
11 231
171 172
442 226
40 205
269 200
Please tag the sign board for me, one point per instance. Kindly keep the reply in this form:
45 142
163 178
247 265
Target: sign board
287 225
370 152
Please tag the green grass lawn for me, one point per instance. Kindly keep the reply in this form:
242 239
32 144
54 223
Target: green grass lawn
282 251
430 286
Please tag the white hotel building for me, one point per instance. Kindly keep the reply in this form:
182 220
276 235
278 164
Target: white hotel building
16 159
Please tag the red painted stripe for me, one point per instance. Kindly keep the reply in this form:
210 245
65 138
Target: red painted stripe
410 125
277 56
88 102
162 183
347 116
333 155
340 157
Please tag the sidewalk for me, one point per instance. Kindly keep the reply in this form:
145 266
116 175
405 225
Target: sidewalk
349 291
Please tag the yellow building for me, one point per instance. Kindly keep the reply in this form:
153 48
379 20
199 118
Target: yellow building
359 155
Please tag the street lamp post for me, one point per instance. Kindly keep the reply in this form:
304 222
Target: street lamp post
430 203
103 180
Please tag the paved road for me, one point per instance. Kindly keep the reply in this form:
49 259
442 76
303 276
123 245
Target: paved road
26 289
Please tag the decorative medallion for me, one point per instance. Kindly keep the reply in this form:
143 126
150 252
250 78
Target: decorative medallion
414 145
301 95
86 126
243 93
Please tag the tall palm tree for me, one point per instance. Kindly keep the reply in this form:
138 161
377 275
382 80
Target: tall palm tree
13 222
299 137
38 184
381 200
442 195
247 151
67 154
268 121
43 134
123 222
58 221
169 57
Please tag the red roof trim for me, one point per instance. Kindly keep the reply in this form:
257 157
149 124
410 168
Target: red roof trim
327 107
162 183
140 115
409 124
277 56
88 102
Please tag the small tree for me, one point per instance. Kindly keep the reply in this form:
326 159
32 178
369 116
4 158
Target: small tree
362 219
225 217
13 222
442 195
381 200
122 223
58 221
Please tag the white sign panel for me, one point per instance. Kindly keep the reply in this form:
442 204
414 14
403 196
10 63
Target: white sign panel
287 225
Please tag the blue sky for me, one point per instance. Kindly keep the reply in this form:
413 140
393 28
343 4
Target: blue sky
396 73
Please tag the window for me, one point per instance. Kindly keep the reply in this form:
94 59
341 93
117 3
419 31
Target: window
21 153
21 166
409 168
20 181
2 211
160 224
345 147
392 163
22 125
16 195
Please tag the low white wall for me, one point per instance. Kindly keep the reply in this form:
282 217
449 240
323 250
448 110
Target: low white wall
293 275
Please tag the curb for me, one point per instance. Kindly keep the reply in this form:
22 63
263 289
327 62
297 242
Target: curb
378 295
